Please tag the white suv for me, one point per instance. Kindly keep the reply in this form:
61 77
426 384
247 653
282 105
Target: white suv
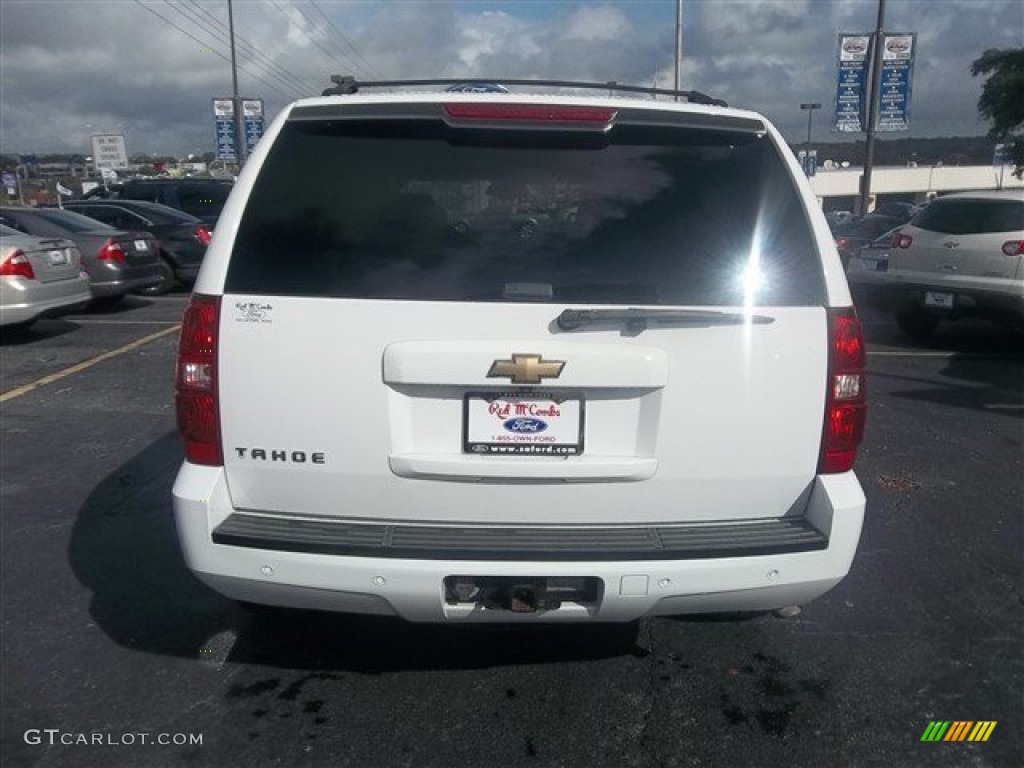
393 401
962 256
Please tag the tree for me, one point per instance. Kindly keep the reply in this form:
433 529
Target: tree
1002 98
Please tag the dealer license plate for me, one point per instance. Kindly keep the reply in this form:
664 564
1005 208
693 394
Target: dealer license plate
515 424
58 258
141 245
941 300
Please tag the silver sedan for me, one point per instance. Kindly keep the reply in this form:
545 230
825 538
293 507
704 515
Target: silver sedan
39 277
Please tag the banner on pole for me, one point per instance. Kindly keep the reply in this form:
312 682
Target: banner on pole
852 82
224 122
894 88
252 112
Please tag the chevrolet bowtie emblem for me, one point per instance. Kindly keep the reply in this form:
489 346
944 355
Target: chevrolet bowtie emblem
526 369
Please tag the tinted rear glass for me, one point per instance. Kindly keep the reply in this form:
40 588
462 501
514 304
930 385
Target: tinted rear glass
139 192
68 221
410 209
870 227
163 215
203 199
971 217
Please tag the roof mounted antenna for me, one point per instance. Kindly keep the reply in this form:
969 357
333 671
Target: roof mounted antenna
346 85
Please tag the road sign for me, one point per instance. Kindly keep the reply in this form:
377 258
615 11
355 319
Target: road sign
897 73
109 151
224 122
852 85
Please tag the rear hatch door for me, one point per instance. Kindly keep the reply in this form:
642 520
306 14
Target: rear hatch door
396 345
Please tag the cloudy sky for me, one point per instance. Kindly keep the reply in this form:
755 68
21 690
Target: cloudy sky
149 68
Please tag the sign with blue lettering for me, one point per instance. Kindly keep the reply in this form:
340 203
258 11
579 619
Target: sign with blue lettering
224 121
252 111
895 82
808 161
852 85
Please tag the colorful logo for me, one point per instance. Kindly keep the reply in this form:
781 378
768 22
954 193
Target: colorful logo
958 730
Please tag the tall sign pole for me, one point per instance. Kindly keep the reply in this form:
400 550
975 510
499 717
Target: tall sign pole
679 45
870 115
239 135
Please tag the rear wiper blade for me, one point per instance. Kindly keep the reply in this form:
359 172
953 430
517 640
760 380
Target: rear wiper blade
635 318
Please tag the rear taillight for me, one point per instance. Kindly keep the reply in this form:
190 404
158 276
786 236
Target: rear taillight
111 251
530 113
845 401
203 235
899 240
1014 248
17 265
196 382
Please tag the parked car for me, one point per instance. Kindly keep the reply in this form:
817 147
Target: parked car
655 410
962 256
866 271
897 210
117 261
182 238
834 218
39 277
202 198
853 234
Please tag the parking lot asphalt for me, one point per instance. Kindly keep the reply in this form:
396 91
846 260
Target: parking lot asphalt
105 631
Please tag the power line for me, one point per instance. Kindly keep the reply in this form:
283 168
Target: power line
208 46
248 49
328 54
370 67
225 39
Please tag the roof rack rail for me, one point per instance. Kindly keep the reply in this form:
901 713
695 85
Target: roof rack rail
346 85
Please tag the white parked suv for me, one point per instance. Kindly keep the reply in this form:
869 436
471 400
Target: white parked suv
650 405
962 256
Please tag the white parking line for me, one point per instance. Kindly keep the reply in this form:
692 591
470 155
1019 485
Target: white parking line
24 390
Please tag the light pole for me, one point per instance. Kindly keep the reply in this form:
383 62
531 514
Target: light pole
235 101
810 114
679 47
870 111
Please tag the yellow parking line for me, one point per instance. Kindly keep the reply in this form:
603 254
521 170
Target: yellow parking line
24 390
83 321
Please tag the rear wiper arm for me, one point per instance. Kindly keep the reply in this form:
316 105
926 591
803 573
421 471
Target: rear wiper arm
637 319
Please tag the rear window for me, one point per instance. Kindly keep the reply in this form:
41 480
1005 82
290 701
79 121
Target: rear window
68 221
203 199
971 217
412 209
163 215
869 227
196 199
140 192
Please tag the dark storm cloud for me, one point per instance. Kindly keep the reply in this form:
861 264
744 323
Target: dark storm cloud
74 68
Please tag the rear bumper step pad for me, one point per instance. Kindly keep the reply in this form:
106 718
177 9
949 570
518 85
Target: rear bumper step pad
452 542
